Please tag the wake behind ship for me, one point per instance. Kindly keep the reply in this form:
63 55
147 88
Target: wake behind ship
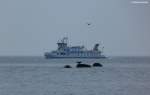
65 51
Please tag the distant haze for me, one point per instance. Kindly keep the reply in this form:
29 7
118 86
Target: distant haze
32 27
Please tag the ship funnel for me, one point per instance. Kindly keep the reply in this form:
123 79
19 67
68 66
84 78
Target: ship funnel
96 47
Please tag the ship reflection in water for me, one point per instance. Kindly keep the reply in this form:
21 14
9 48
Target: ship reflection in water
64 51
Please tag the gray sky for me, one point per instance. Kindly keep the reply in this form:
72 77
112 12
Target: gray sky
32 27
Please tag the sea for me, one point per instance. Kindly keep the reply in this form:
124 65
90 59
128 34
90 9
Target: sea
32 75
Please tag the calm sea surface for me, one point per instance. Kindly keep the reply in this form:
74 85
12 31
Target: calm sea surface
39 76
29 60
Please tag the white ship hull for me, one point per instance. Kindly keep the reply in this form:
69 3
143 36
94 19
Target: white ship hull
51 56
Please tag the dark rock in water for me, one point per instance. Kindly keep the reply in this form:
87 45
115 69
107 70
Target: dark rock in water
67 66
97 65
79 65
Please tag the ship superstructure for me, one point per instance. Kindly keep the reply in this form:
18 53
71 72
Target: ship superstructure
65 51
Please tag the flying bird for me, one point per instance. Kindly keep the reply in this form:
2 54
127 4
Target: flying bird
88 23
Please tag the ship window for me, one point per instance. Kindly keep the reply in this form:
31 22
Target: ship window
62 53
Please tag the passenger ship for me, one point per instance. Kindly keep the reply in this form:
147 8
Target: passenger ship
65 51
